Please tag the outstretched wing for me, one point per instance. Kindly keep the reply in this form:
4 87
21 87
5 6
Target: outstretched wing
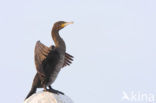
41 53
68 59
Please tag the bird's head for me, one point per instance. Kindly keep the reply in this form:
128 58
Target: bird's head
60 25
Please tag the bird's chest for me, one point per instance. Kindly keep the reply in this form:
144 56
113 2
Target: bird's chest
60 63
57 69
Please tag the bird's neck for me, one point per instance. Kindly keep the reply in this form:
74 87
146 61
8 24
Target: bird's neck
59 42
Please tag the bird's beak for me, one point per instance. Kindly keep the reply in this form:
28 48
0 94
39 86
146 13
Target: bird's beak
67 23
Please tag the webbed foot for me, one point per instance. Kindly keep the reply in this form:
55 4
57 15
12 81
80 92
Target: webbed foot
54 91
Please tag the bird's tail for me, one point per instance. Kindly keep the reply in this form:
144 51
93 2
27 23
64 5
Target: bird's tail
34 87
32 91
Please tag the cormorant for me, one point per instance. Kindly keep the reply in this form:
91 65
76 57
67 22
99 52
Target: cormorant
49 60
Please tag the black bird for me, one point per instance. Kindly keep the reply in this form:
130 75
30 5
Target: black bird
50 60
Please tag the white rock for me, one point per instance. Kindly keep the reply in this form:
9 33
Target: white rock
47 97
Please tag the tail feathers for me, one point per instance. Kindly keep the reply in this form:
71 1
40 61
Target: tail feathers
32 91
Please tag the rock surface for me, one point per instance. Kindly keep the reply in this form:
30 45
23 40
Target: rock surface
47 97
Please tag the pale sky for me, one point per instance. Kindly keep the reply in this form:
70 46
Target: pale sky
113 42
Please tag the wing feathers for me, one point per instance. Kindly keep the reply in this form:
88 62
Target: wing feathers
41 52
68 59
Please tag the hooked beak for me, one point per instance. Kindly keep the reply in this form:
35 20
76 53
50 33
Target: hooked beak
67 23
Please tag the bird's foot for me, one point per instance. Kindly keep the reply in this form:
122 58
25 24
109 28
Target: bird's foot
55 91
